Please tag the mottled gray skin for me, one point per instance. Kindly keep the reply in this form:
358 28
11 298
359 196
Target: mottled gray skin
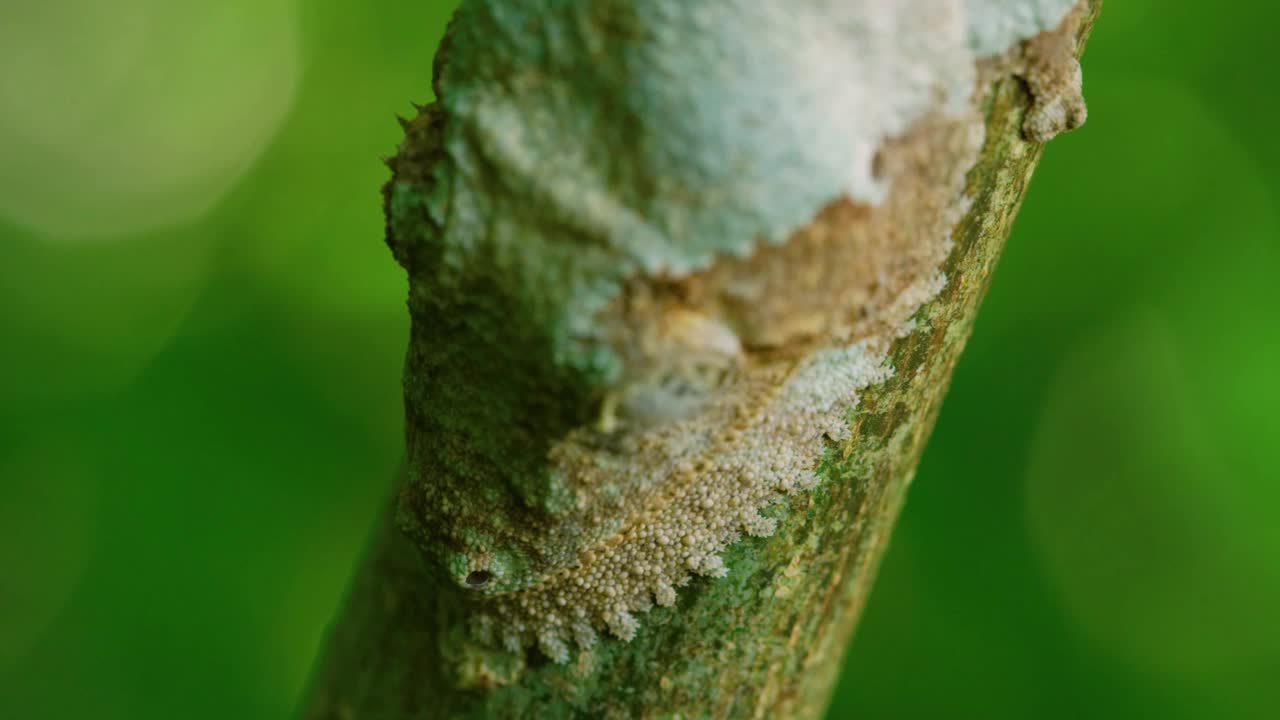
577 145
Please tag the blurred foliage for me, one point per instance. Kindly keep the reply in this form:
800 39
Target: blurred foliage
201 337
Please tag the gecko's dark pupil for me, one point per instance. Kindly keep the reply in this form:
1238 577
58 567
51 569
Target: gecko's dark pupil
478 578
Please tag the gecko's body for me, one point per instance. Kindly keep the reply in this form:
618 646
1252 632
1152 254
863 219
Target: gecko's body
640 322
764 437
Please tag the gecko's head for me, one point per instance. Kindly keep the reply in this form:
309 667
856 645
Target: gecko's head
477 547
472 524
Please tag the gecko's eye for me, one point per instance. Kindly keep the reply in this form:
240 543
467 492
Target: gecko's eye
478 578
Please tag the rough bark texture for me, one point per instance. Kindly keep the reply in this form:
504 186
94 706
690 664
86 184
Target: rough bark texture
765 641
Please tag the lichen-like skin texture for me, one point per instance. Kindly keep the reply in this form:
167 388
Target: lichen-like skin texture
656 253
1054 77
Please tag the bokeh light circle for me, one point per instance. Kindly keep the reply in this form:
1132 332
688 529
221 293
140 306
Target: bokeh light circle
126 116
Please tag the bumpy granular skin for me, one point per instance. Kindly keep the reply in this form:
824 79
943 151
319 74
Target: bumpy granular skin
1048 63
608 338
763 480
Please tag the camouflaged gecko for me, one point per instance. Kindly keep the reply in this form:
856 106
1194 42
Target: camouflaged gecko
642 309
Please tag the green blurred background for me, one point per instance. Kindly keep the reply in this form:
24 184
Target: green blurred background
201 336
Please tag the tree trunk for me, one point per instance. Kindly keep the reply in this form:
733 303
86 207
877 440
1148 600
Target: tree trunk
569 536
